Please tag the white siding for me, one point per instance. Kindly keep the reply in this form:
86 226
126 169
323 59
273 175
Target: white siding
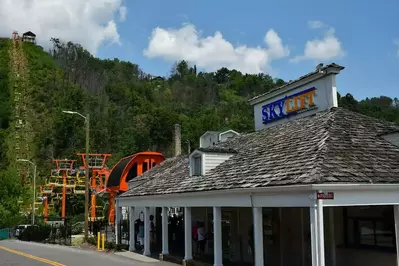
209 139
225 136
214 159
393 138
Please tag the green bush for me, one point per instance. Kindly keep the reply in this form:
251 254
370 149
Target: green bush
77 228
92 241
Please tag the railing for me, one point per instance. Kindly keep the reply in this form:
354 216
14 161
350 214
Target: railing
5 233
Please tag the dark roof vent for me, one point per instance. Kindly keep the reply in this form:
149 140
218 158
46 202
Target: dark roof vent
319 66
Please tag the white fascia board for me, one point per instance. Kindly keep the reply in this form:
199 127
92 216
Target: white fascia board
299 83
284 196
360 194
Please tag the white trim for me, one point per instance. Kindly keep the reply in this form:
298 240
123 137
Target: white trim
289 196
188 236
217 237
147 234
320 233
363 197
165 231
313 235
258 236
227 131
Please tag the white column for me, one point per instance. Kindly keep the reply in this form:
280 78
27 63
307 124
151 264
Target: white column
332 236
313 235
258 236
396 217
320 232
147 251
217 236
165 232
132 246
118 217
188 245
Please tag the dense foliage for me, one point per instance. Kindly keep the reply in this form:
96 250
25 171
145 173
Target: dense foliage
130 111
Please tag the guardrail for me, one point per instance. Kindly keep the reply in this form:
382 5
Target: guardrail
4 233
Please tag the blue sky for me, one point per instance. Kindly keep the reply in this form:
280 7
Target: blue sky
366 33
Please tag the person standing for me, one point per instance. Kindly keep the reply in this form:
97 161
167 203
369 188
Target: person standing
201 236
195 238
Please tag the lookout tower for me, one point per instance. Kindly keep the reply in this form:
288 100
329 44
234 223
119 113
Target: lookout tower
29 37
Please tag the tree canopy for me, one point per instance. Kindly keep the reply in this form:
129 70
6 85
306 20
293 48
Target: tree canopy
131 111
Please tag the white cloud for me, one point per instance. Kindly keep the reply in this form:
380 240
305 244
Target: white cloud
88 22
214 52
122 13
316 24
321 49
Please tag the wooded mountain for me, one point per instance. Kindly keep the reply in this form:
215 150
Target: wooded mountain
130 110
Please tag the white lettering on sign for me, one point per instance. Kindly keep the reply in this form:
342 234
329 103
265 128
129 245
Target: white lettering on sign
325 195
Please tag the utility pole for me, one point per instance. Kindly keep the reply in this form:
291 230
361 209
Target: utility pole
34 193
86 221
86 224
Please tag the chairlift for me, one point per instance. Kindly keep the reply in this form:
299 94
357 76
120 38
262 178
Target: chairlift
60 181
70 182
47 188
80 188
52 180
100 212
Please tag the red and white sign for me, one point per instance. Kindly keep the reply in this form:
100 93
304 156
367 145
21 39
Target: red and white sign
325 195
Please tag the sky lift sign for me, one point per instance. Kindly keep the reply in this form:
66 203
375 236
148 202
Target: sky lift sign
289 105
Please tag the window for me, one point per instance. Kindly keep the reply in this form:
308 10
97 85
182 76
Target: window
145 167
132 173
371 227
197 166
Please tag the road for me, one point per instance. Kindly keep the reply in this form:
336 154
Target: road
19 253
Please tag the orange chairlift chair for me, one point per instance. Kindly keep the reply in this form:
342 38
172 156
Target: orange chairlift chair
125 170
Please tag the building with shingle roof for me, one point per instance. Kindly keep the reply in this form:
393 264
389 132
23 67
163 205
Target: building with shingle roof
29 37
307 158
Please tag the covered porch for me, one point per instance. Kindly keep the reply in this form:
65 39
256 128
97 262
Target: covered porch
304 225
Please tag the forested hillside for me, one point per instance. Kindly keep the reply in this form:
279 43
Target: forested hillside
130 111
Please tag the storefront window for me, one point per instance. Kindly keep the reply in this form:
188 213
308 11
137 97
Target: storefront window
371 227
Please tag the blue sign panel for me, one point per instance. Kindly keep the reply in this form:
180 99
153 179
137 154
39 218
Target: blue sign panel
289 105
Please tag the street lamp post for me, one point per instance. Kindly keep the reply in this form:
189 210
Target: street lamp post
34 187
87 122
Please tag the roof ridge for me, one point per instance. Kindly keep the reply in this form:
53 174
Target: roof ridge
320 156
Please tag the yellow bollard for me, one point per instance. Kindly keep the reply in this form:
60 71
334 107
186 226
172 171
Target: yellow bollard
103 238
98 240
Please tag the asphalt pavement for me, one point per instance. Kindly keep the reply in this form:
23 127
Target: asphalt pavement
19 253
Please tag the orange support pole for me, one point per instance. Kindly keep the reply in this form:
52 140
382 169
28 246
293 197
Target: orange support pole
64 180
111 204
45 211
93 206
139 168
